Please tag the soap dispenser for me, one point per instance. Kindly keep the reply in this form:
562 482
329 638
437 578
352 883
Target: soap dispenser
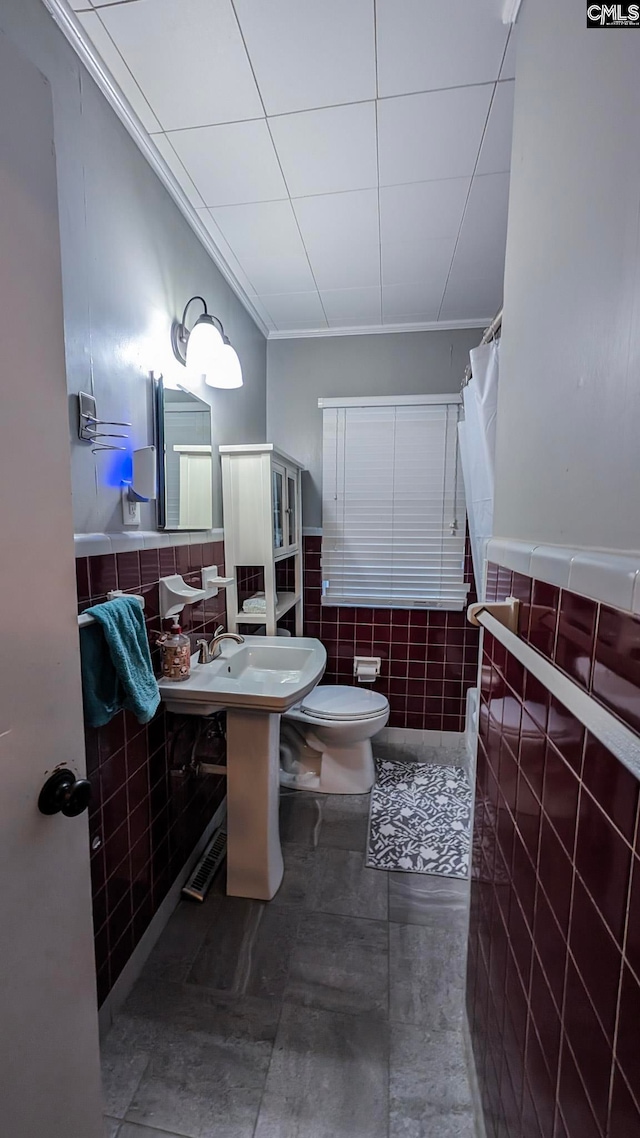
176 654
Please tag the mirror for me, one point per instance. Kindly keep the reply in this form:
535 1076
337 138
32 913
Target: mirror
185 460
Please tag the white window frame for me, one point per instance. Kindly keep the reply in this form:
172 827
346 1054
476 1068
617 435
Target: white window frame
437 581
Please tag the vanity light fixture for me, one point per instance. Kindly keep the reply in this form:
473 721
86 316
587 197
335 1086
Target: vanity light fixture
205 350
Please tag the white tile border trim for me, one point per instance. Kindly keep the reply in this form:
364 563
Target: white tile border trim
607 576
94 544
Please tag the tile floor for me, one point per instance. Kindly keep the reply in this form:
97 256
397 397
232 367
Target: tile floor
334 1011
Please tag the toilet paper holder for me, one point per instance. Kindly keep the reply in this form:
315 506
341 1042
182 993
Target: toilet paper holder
366 669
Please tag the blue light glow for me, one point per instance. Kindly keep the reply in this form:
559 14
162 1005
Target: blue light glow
118 468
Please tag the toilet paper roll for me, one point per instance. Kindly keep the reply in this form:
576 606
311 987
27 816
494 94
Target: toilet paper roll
366 673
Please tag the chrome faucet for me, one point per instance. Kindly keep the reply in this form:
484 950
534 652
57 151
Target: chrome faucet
211 651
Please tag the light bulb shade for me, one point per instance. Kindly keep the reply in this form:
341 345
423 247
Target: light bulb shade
203 348
227 372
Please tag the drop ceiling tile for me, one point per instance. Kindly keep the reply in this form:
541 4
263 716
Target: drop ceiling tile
349 307
435 135
495 154
484 229
417 261
473 296
225 249
79 5
295 310
188 58
422 211
341 236
265 238
231 164
177 169
101 39
476 281
329 150
508 69
311 54
423 45
413 302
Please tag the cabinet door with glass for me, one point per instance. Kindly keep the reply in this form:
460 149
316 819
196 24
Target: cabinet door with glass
278 492
292 508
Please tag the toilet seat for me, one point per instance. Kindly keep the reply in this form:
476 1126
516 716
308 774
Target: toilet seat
343 704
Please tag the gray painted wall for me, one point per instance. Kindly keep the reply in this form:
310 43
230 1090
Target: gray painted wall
300 371
130 262
568 453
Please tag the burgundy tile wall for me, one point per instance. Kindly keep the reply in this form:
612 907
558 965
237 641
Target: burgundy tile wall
429 659
553 991
146 815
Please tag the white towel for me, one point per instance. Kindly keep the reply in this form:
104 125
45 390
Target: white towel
256 604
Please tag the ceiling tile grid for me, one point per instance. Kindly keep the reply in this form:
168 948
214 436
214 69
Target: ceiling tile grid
350 161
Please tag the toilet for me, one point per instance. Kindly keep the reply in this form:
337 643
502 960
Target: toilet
325 740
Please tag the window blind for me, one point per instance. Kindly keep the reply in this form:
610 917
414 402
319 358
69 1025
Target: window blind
393 511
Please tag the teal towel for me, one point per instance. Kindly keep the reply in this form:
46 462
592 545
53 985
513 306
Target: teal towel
116 663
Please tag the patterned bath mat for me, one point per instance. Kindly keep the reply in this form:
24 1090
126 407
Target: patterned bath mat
420 819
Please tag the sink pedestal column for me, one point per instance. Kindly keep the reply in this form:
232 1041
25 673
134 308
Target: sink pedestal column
254 854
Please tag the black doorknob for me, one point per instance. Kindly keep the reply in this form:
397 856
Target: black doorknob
64 793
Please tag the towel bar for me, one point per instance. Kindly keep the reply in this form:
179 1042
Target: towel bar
84 619
610 731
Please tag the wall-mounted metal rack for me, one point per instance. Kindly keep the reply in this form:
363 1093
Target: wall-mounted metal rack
88 423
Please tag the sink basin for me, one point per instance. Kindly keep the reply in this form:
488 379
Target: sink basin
266 673
270 664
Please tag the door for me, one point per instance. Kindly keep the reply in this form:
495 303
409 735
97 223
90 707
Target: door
49 1056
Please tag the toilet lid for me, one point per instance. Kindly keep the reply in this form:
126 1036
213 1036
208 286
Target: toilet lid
341 703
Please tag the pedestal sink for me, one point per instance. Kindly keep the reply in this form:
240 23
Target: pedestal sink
255 681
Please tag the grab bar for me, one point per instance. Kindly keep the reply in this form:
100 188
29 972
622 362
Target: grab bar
611 732
84 619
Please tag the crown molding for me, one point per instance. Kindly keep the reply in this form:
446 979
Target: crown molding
73 31
479 322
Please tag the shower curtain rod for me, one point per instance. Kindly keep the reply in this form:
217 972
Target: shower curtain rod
489 334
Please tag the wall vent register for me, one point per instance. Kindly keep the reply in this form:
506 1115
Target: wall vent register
393 508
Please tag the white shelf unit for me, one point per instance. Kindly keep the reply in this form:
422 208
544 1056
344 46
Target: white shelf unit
261 496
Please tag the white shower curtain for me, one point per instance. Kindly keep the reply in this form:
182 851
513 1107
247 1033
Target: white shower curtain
477 435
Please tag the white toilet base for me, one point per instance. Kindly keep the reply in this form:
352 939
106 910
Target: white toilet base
341 770
347 770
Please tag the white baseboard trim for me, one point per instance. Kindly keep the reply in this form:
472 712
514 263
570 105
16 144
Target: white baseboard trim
95 544
476 1098
141 953
415 738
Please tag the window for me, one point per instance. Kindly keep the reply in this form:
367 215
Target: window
393 513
